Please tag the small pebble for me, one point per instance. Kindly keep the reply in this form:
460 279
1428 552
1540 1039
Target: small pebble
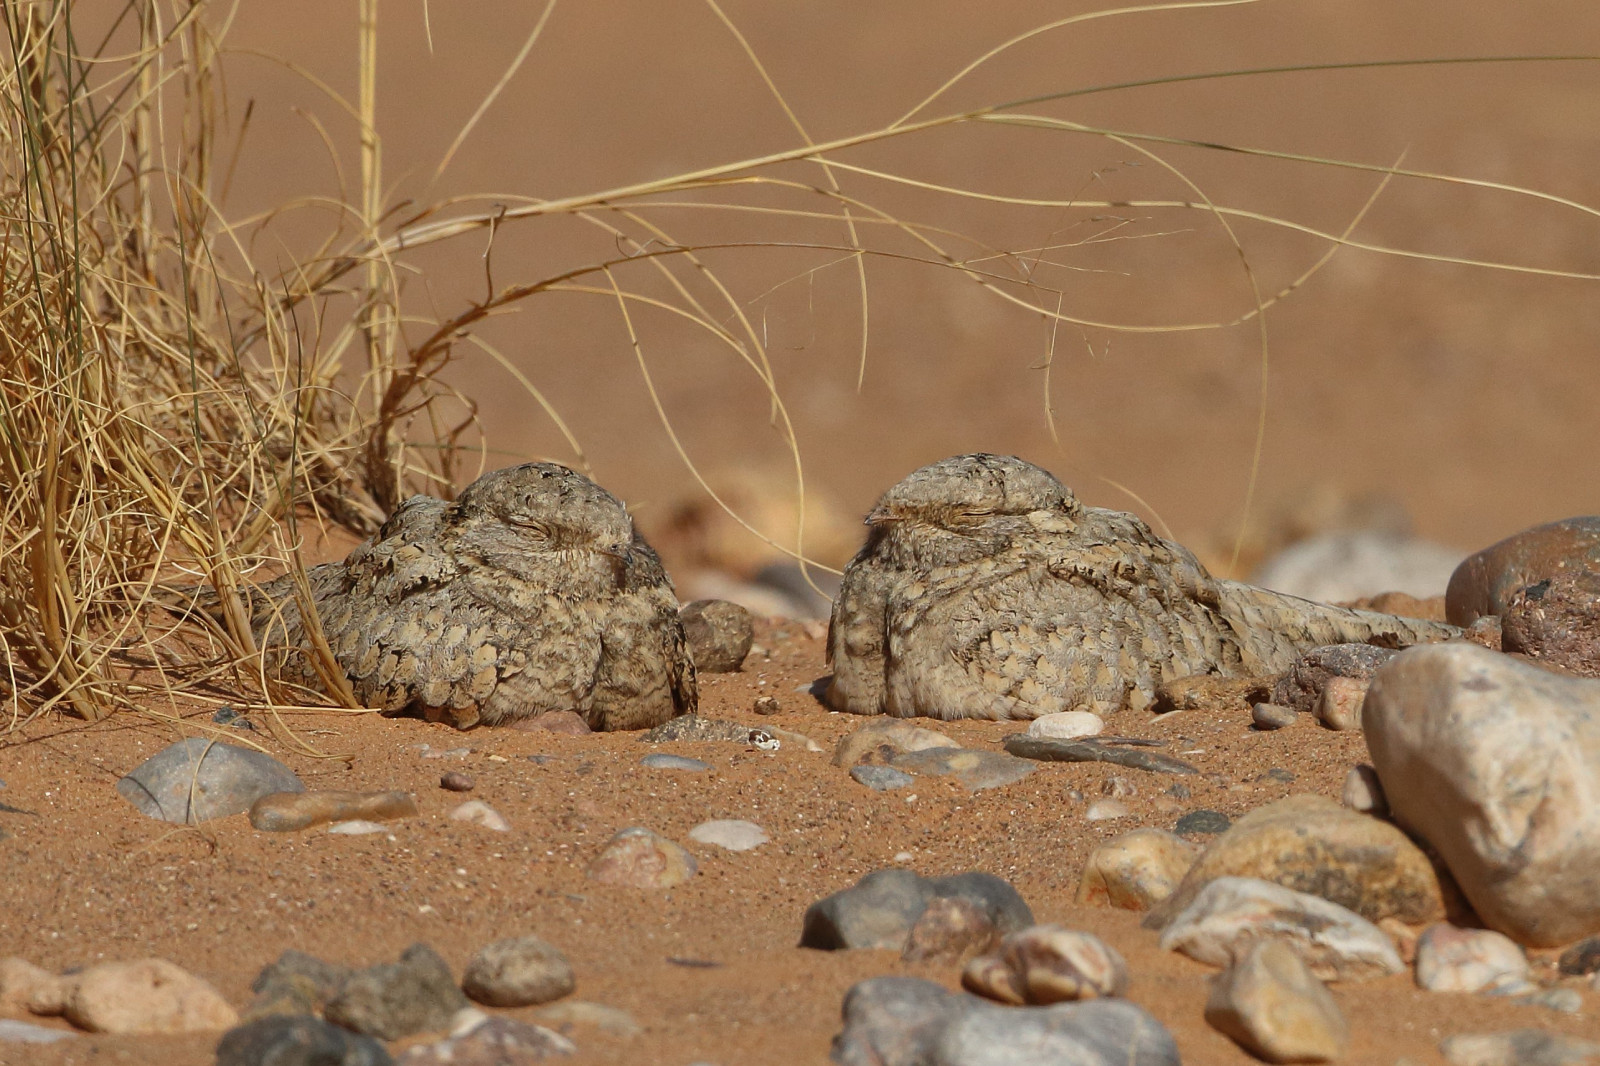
1203 821
455 781
477 812
639 858
1067 725
881 778
1118 787
1364 792
1279 774
357 827
1268 716
1338 706
1105 810
229 716
732 834
660 760
518 972
766 705
447 753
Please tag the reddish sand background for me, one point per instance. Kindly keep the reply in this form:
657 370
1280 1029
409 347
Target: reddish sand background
1467 394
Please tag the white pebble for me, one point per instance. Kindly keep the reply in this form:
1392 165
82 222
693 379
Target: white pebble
356 827
734 834
1107 809
478 812
1065 725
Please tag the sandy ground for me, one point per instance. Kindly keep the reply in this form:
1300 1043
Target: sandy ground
89 878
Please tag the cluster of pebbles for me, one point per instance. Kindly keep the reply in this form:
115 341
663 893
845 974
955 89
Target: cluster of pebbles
1468 841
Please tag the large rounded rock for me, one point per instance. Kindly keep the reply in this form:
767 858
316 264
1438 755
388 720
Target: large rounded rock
641 858
518 972
1496 763
144 996
1485 581
1314 845
196 780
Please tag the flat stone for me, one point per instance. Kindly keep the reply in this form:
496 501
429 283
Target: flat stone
1518 1047
1308 675
1468 960
221 779
1269 716
1046 964
1203 821
1230 914
572 1013
144 996
518 972
15 1032
1557 621
288 1040
720 634
881 778
1494 762
1067 725
1271 1005
1338 705
1486 580
1312 844
1098 1032
660 760
975 770
287 812
479 813
903 1021
730 834
1047 749
396 999
639 858
950 929
883 738
1136 870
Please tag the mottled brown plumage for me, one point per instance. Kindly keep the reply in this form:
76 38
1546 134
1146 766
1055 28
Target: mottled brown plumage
530 593
986 590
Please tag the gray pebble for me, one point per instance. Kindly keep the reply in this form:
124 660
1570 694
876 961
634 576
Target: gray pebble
222 779
660 760
396 999
1048 749
1269 716
881 778
285 1040
1517 1047
879 910
1203 821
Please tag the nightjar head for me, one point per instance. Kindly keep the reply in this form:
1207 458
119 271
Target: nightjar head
970 505
546 507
